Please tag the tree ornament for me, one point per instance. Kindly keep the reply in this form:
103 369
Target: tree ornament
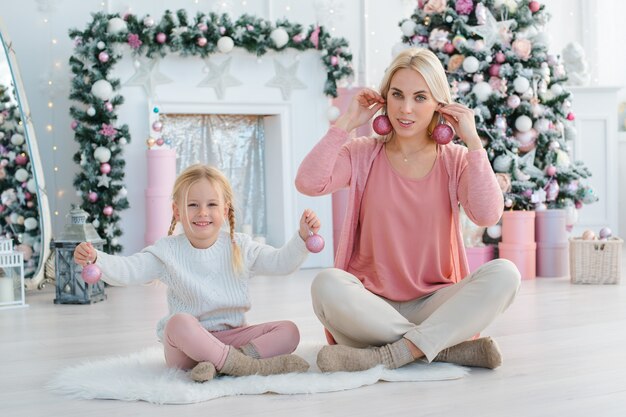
17 139
92 196
102 89
225 44
148 21
521 84
442 133
116 25
502 163
513 101
105 168
91 273
21 175
523 123
157 126
161 37
280 37
382 125
91 112
103 56
107 211
201 41
108 106
102 154
471 64
21 159
408 28
534 6
482 91
314 243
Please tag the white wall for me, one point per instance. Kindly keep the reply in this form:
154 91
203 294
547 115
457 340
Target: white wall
43 50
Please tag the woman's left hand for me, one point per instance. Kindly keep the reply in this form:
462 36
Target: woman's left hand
309 221
461 118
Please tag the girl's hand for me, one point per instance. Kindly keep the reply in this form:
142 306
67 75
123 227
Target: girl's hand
363 106
309 221
85 254
461 119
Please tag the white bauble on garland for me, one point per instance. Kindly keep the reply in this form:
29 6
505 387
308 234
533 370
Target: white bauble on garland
280 37
482 91
17 139
102 154
523 123
116 25
521 84
31 186
471 64
30 223
333 113
101 45
21 175
225 44
91 112
102 89
408 28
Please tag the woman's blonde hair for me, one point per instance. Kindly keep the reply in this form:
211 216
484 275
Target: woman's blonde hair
180 192
429 66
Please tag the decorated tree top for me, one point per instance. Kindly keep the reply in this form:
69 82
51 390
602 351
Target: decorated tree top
497 60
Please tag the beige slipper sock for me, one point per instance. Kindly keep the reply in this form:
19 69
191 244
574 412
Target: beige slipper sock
238 364
203 371
336 358
483 353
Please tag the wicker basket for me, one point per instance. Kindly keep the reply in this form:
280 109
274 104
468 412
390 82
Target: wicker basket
595 261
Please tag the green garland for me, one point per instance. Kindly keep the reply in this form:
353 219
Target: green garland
104 196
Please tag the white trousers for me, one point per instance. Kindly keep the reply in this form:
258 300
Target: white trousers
357 317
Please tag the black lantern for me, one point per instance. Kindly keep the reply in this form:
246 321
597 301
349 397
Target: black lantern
70 287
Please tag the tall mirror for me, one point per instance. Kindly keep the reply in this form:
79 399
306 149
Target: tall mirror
24 210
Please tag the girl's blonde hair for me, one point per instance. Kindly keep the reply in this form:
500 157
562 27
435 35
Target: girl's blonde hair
180 192
429 66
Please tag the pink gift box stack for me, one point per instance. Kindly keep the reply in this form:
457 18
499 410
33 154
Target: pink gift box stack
518 241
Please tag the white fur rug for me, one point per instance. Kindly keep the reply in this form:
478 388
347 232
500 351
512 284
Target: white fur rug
143 376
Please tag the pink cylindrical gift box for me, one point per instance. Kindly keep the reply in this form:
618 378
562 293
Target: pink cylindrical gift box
550 226
161 178
522 255
518 227
478 256
553 259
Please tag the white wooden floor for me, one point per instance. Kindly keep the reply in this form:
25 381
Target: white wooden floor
564 348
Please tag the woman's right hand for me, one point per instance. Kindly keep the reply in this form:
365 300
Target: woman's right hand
363 107
85 254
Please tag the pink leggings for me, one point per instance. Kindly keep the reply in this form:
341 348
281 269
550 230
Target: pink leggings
186 342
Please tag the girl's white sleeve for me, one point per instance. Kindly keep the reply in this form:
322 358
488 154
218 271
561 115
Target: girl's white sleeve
139 268
263 259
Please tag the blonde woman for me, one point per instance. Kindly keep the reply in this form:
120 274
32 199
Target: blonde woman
207 271
401 287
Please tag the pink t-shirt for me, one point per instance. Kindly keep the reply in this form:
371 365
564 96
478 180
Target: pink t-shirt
403 251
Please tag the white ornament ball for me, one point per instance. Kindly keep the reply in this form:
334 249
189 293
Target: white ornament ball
408 28
502 163
122 141
542 125
116 25
123 192
21 175
556 89
225 44
102 89
101 45
102 154
523 123
482 91
494 232
95 223
464 86
280 37
17 139
30 223
31 186
148 22
521 84
333 113
470 64
91 112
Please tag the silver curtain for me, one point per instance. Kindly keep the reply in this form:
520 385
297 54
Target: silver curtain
233 143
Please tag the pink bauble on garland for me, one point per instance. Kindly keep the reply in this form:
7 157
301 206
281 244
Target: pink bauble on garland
534 6
103 56
92 197
157 126
202 41
91 273
161 37
107 211
314 243
382 125
105 168
442 134
74 124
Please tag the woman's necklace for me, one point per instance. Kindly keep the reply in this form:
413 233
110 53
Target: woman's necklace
405 156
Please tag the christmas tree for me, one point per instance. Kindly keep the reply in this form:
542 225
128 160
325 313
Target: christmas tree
497 60
19 209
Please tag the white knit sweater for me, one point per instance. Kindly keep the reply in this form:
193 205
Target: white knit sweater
202 282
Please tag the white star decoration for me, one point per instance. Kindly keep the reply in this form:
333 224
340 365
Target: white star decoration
528 165
493 31
219 77
148 76
103 180
285 79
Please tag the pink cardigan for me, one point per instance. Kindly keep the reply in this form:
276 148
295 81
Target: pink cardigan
334 164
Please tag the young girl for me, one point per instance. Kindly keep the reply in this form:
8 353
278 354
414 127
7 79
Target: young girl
401 282
207 271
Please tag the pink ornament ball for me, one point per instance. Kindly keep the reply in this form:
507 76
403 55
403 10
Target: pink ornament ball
578 204
442 134
161 37
202 41
105 168
551 170
107 211
570 116
382 125
494 70
315 243
500 57
103 57
74 124
160 142
92 197
91 273
588 235
21 159
448 48
534 6
157 126
513 101
108 106
605 233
